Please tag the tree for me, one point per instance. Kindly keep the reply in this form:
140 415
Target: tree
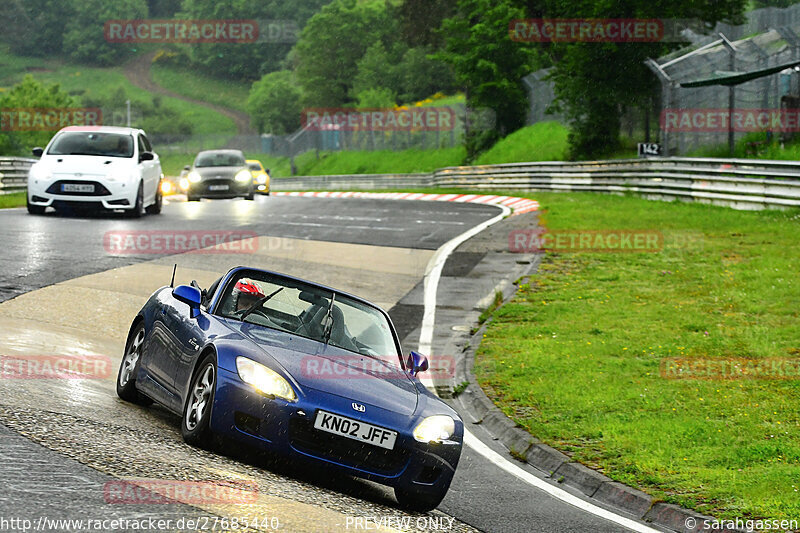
488 65
85 40
376 70
248 61
27 95
420 21
420 75
333 42
274 103
380 98
163 8
36 27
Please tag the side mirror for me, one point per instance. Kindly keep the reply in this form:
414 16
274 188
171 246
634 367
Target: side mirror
187 167
267 171
38 151
191 296
147 156
416 363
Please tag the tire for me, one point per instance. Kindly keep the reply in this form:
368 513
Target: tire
138 208
129 367
199 401
34 209
190 198
418 502
251 196
155 209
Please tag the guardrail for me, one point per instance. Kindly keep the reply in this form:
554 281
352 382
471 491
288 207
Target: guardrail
14 173
737 183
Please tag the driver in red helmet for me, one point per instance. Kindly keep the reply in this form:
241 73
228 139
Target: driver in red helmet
246 293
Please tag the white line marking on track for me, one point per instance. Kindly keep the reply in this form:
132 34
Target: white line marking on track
434 271
501 462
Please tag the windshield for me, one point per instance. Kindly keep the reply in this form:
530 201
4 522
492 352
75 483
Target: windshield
92 143
254 166
287 305
219 159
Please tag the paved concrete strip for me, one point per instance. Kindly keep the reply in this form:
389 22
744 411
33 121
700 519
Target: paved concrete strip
90 315
433 274
256 507
361 256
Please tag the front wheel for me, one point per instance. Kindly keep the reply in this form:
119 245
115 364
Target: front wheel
417 501
197 411
138 208
155 208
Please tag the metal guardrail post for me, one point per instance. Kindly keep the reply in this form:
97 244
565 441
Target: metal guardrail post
14 173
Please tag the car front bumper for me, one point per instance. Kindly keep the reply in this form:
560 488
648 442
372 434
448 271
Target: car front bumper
106 194
214 189
287 428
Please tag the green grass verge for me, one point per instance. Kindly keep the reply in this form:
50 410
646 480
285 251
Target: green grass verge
378 162
193 84
15 199
575 356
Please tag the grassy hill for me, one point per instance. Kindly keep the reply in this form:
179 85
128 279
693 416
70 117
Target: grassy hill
92 84
196 85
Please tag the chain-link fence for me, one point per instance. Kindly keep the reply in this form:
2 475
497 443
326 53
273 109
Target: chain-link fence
769 38
541 96
699 116
413 130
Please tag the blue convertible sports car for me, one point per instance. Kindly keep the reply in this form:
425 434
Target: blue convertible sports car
299 369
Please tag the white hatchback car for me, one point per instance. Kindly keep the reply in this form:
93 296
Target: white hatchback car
96 167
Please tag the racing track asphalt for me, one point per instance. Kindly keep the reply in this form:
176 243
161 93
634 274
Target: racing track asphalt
42 250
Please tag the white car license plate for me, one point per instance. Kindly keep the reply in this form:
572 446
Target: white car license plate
353 429
218 187
76 187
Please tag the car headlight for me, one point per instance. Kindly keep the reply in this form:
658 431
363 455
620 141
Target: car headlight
243 176
265 380
261 179
194 177
436 428
166 187
184 183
